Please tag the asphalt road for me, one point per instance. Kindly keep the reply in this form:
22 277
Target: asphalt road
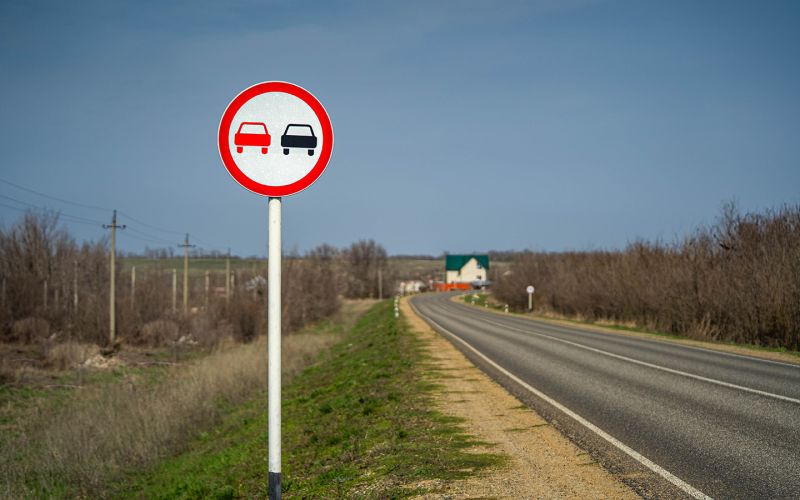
670 420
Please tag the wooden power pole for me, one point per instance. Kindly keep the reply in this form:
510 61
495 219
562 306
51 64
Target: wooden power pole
112 330
228 279
186 246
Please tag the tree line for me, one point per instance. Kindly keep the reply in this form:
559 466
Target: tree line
735 280
57 289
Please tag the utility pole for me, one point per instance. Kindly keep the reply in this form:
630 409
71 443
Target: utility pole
208 285
380 284
75 286
133 287
228 280
112 331
186 246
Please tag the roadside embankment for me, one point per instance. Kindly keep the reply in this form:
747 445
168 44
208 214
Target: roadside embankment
359 422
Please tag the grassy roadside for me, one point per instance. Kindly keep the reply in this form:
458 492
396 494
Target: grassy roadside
357 423
77 442
483 300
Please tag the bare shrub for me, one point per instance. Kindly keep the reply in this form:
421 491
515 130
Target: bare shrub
738 280
363 260
69 355
30 330
159 332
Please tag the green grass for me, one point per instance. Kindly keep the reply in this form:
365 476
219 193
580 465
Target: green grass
196 266
480 300
357 423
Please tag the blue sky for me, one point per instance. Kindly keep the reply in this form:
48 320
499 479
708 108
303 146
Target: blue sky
460 126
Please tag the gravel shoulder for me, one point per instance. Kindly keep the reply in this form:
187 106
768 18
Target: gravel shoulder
542 463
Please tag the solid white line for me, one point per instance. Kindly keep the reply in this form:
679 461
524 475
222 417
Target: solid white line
683 485
643 339
649 365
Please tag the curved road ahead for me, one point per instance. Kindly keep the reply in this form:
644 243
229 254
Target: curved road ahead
670 420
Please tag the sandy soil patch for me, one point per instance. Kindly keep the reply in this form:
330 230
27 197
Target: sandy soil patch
542 462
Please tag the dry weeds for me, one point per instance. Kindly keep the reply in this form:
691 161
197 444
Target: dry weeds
107 430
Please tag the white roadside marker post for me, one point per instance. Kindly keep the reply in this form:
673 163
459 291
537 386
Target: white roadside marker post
530 291
274 347
294 122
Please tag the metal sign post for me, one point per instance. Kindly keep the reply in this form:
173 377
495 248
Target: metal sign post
530 290
274 346
275 139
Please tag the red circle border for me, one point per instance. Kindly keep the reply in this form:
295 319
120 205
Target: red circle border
224 146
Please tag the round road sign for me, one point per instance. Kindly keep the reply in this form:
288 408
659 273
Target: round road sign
275 138
530 289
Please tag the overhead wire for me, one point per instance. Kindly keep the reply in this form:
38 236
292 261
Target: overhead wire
66 219
124 214
62 200
60 213
84 220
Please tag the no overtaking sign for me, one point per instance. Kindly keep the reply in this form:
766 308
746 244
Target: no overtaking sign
275 139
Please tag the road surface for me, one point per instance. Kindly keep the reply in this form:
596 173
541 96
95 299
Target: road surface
670 420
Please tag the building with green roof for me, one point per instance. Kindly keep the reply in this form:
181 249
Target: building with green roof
466 268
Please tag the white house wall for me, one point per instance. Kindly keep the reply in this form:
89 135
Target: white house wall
469 273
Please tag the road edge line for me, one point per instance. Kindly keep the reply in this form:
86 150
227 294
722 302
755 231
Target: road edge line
675 480
645 336
701 378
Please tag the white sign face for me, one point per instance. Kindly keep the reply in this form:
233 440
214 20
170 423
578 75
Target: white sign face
271 118
275 138
530 289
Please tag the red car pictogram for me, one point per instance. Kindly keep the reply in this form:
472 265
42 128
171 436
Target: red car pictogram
252 134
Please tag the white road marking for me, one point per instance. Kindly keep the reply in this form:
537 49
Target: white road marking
649 365
656 340
678 482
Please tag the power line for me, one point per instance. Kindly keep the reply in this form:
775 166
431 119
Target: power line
23 210
62 200
148 225
83 220
61 213
151 237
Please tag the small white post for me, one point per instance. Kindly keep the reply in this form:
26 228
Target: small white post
274 349
506 308
174 290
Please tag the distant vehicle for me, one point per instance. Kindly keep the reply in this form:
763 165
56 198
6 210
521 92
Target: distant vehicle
299 136
252 134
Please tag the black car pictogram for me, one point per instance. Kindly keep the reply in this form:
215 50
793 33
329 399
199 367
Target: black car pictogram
299 136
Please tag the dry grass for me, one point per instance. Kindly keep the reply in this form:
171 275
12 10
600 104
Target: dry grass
107 430
69 355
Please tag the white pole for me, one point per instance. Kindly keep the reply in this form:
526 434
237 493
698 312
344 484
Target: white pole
274 348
